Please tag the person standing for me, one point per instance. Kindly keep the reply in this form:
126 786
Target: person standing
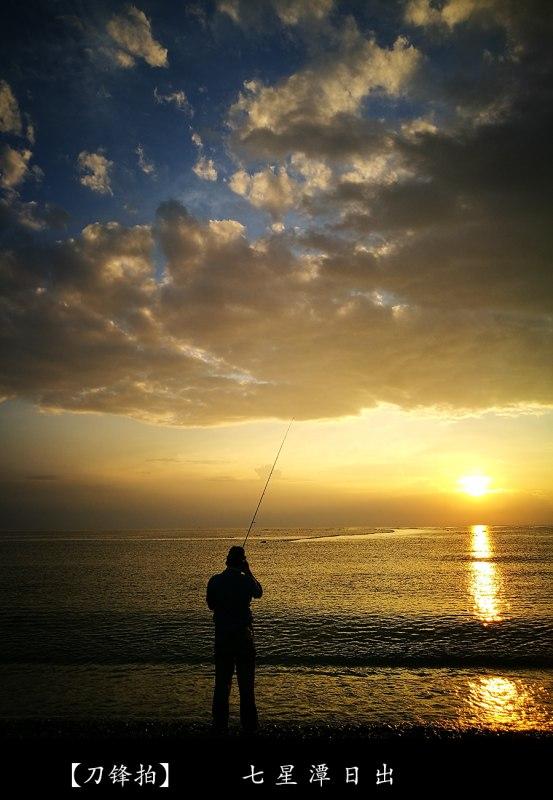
228 595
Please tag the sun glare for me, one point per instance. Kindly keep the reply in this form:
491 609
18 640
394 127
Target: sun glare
475 485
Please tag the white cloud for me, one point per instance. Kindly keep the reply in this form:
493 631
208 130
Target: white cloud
315 173
290 12
231 8
10 118
379 169
226 230
451 13
146 166
177 98
30 132
321 92
14 166
277 190
417 127
272 190
205 169
132 33
95 172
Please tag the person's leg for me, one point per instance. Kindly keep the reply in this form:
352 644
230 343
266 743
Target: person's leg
224 668
245 674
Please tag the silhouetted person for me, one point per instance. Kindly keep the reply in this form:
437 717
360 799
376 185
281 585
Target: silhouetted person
228 595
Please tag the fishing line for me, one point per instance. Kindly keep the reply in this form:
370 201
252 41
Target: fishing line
267 483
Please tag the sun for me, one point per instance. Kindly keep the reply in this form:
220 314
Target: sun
475 485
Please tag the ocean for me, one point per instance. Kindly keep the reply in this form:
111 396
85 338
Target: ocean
446 627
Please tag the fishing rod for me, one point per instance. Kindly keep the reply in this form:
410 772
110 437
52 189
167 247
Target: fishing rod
267 483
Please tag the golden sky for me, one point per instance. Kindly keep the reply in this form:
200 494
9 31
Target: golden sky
384 467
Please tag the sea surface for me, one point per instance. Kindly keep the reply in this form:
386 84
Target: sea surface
447 627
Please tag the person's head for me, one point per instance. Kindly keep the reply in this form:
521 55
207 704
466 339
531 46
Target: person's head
236 556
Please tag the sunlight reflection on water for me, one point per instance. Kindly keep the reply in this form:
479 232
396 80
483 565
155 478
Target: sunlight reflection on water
486 585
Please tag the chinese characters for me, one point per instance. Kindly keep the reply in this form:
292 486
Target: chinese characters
318 773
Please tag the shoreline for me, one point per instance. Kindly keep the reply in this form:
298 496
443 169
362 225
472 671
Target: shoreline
100 729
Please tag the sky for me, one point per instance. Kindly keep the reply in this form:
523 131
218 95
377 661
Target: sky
219 216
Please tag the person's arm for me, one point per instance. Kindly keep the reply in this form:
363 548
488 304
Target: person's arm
256 588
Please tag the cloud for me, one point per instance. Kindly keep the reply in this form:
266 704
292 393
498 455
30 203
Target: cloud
271 190
519 21
132 33
231 8
10 117
31 215
464 209
14 166
414 271
279 190
331 91
204 168
315 175
451 13
241 330
95 172
177 98
289 12
334 88
147 167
